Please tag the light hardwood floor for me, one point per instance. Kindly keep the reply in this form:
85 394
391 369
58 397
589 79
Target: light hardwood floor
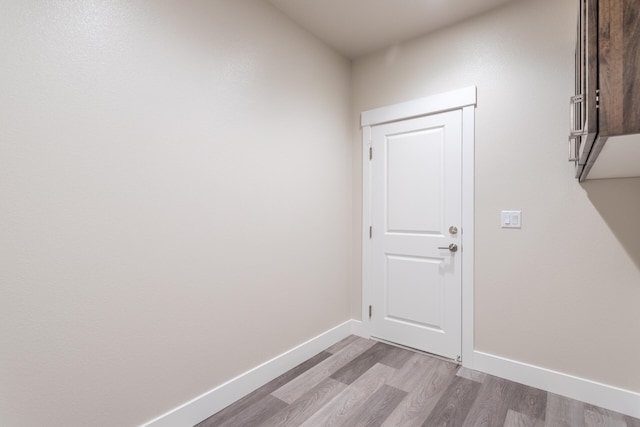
360 382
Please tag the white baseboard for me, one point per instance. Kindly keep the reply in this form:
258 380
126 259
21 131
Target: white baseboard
360 329
608 397
202 407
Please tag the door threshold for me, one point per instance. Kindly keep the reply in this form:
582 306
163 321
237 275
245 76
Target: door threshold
415 350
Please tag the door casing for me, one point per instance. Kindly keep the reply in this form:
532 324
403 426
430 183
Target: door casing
464 100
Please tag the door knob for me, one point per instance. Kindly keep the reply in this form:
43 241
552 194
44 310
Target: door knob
453 229
452 247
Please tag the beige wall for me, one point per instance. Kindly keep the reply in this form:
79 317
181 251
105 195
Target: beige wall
175 202
562 292
176 199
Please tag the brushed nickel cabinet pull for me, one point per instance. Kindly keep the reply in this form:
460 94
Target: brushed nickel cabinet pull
574 142
573 131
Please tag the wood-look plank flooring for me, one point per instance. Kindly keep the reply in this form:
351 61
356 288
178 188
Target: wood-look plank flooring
360 382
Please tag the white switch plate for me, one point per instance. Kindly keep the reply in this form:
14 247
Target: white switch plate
511 219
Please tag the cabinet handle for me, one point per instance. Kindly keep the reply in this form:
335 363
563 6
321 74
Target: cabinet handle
573 131
574 142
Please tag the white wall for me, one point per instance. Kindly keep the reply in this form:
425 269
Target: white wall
562 292
175 202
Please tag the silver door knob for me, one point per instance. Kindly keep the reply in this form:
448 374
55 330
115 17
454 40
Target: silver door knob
453 229
452 247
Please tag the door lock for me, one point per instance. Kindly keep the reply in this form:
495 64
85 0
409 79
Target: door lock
452 247
453 229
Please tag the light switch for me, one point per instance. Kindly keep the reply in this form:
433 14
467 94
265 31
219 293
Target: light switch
511 219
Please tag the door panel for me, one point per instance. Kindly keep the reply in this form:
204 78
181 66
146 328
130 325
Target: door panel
416 196
412 164
404 284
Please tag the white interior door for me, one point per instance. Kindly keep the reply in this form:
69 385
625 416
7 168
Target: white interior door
416 213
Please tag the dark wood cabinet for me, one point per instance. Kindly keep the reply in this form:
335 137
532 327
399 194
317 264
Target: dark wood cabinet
607 100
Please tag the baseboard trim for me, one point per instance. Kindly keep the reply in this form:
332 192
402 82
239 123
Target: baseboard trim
616 399
359 328
202 407
187 415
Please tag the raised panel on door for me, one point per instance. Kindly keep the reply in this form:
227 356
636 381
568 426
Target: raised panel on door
405 283
414 174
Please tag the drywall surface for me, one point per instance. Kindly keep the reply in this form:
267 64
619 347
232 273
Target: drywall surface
563 291
175 202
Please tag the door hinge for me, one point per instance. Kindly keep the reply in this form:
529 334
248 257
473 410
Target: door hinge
598 98
370 311
370 231
370 153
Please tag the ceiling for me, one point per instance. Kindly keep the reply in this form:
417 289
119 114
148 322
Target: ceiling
358 27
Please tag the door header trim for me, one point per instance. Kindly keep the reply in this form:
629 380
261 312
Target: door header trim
453 100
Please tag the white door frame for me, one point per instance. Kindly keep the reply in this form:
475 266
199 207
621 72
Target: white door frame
464 100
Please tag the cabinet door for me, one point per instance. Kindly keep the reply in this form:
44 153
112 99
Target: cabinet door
587 80
619 56
576 105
